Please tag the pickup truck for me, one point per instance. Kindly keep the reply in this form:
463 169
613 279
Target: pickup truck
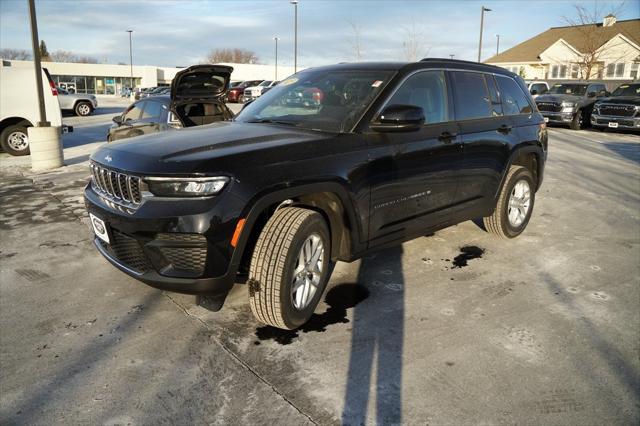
619 111
570 103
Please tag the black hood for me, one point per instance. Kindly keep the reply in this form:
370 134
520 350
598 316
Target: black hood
627 100
194 150
203 82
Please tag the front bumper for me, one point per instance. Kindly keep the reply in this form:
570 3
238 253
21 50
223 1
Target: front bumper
626 123
558 117
169 246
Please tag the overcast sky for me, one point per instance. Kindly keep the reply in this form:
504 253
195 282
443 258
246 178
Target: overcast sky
180 33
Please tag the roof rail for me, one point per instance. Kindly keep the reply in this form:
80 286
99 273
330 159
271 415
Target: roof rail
450 60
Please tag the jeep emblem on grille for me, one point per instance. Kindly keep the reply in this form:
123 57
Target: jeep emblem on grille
108 159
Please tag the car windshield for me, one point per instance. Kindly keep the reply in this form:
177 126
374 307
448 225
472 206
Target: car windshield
568 89
264 83
627 90
318 99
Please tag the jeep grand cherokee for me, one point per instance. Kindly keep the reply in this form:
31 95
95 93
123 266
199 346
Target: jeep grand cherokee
391 152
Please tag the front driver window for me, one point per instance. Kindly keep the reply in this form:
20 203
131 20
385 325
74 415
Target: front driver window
428 91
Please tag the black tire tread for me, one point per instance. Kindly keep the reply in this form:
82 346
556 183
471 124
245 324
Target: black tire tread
268 264
494 223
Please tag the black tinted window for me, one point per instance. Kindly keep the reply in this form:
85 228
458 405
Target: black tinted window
496 107
152 110
514 101
426 90
134 112
471 96
539 88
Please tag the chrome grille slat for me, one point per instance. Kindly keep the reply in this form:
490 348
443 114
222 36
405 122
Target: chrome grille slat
117 188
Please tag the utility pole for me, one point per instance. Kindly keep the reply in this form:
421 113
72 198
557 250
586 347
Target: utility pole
482 11
43 141
130 62
498 44
276 39
295 36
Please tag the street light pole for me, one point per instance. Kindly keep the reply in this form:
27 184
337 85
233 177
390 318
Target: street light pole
498 44
295 36
452 56
130 62
276 39
482 11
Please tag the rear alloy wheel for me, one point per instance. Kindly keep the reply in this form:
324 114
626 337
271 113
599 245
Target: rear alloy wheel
289 268
83 109
15 140
514 206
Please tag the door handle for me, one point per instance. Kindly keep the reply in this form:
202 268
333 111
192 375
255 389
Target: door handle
446 137
505 128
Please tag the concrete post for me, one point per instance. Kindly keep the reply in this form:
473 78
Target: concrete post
46 148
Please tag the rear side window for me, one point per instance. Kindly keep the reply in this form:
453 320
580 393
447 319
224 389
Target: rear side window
514 101
427 90
134 112
494 97
152 110
471 95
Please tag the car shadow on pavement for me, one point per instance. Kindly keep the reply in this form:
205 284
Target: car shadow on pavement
83 135
377 342
630 151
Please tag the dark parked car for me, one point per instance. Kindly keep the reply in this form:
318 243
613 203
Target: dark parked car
235 93
276 196
570 103
196 98
620 111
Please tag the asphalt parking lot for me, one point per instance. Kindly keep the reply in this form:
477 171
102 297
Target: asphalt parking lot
456 328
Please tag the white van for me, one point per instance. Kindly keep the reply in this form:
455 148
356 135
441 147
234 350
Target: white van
19 105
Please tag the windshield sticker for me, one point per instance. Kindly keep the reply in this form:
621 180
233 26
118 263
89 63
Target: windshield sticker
288 81
376 83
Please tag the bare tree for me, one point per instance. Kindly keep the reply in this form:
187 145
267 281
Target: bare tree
413 45
15 54
592 36
67 56
356 41
236 56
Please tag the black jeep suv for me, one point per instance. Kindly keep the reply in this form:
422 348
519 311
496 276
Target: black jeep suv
390 152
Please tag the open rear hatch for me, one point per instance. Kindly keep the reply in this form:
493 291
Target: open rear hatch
197 94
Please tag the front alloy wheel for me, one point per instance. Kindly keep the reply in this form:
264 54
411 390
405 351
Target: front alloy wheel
289 268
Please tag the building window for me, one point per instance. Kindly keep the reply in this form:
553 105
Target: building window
563 71
554 71
620 69
611 70
634 71
575 71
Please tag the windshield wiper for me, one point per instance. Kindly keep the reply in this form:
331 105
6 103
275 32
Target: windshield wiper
269 120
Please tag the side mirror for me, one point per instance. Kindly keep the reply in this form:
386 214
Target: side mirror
591 94
117 119
399 118
534 92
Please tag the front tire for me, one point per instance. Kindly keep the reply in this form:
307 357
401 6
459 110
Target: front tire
83 109
515 204
576 123
15 140
289 268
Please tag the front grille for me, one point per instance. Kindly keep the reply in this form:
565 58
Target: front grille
118 187
617 110
128 252
549 106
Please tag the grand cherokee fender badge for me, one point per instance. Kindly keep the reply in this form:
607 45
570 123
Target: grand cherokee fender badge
108 159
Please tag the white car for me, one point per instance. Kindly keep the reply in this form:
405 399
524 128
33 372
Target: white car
537 88
19 105
77 103
253 92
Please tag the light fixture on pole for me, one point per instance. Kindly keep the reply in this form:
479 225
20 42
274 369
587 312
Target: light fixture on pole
295 36
130 61
452 56
497 44
482 11
276 39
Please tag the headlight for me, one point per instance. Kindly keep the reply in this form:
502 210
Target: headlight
186 187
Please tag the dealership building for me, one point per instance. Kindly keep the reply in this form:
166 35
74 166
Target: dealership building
108 79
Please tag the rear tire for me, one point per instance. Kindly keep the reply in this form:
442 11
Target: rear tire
15 140
515 204
83 109
289 268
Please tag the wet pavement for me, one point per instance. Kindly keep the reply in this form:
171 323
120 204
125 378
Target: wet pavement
455 328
